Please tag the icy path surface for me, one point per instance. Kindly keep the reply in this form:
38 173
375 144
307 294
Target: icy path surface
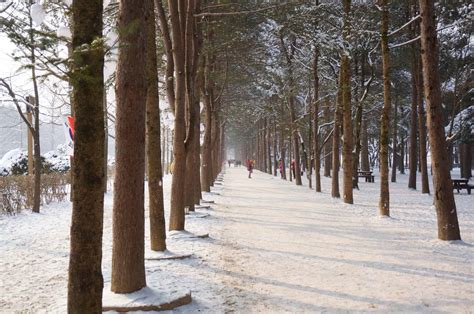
292 250
273 247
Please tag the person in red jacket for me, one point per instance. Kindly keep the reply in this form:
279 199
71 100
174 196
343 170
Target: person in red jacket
249 167
293 166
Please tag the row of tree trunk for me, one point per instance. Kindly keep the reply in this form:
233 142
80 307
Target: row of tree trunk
189 78
425 85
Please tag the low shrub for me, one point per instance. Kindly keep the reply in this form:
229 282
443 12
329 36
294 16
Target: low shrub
16 192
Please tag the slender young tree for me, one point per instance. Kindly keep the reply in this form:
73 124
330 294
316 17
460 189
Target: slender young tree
448 226
128 251
384 203
85 282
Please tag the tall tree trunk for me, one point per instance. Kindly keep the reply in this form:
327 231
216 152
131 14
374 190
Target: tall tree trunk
448 226
199 76
275 160
290 150
36 112
413 119
347 111
106 139
282 144
336 140
192 49
425 186
327 147
206 166
153 139
401 160
289 55
317 153
177 218
358 125
394 142
269 145
165 35
466 160
85 283
364 151
215 136
128 267
384 203
263 132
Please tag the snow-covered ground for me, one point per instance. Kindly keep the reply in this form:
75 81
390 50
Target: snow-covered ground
273 247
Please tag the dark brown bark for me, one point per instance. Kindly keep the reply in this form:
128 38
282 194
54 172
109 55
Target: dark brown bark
153 138
384 203
414 119
401 159
128 268
291 103
465 152
347 126
448 226
269 146
327 147
275 161
192 104
177 219
336 140
316 148
36 113
206 166
347 111
358 124
165 35
282 145
290 157
85 282
425 187
264 145
198 69
395 142
364 151
215 143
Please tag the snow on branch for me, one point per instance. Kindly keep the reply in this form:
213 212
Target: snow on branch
405 25
405 43
218 14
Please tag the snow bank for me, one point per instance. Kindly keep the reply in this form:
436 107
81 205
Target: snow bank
59 158
9 159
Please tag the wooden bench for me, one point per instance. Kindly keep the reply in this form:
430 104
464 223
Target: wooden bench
369 177
462 184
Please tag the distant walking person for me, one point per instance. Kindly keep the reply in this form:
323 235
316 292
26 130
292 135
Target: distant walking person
293 166
250 167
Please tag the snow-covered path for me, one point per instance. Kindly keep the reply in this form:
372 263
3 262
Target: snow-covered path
290 250
273 247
